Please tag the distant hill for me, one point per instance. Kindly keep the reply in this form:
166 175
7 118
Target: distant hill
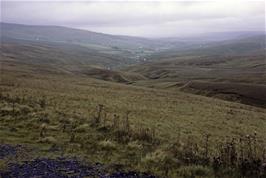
243 45
132 47
73 36
219 36
61 58
36 52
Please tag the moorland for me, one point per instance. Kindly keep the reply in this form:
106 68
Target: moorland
167 107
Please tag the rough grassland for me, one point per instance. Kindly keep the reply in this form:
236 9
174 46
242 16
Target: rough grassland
172 115
167 111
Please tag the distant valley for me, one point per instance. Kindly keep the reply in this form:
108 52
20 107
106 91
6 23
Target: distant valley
230 59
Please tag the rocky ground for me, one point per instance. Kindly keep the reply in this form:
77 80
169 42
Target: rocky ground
7 150
57 168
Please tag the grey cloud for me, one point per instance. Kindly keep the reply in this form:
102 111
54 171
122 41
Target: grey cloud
140 18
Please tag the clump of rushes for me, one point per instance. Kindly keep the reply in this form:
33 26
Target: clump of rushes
145 134
194 171
126 122
107 146
99 114
243 156
49 139
43 130
42 102
13 107
159 160
82 128
44 117
115 124
206 149
72 132
72 137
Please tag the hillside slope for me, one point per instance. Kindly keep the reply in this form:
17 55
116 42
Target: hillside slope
61 58
241 46
224 67
122 126
72 36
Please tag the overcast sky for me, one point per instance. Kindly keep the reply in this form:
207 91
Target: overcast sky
146 18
